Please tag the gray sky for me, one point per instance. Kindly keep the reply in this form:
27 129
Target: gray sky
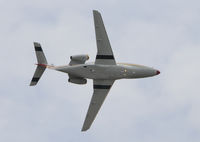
161 34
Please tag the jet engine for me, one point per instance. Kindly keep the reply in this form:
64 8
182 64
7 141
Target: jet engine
78 59
81 58
77 80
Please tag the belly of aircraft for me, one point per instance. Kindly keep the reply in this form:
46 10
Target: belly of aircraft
96 71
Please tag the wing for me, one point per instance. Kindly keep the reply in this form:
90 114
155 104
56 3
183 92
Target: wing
104 51
101 89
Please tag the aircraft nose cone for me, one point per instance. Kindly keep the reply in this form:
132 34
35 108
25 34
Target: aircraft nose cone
157 72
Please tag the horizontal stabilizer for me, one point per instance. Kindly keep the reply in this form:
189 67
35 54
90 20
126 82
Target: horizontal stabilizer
39 54
41 66
38 73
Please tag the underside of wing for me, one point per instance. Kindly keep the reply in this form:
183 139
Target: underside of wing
104 51
101 89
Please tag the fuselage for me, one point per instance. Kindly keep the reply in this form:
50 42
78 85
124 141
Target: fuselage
119 71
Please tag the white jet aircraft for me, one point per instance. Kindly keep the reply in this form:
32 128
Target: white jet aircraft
104 71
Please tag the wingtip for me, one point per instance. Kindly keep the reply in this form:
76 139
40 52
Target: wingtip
96 11
84 129
32 84
36 44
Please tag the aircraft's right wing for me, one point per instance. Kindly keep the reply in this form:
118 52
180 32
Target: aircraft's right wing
101 89
104 51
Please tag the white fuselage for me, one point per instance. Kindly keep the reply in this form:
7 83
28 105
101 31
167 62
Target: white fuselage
119 71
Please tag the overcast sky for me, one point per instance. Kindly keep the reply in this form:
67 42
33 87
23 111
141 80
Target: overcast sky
160 34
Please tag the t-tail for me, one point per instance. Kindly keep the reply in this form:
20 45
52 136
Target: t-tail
41 65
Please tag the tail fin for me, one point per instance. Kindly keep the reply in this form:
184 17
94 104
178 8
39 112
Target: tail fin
41 66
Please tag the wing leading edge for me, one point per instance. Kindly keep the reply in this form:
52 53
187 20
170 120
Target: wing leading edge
104 51
101 89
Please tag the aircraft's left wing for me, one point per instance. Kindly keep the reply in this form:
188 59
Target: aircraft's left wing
101 89
104 51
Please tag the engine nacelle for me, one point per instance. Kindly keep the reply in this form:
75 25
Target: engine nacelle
77 80
81 58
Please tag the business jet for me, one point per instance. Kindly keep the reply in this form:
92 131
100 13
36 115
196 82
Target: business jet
104 71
